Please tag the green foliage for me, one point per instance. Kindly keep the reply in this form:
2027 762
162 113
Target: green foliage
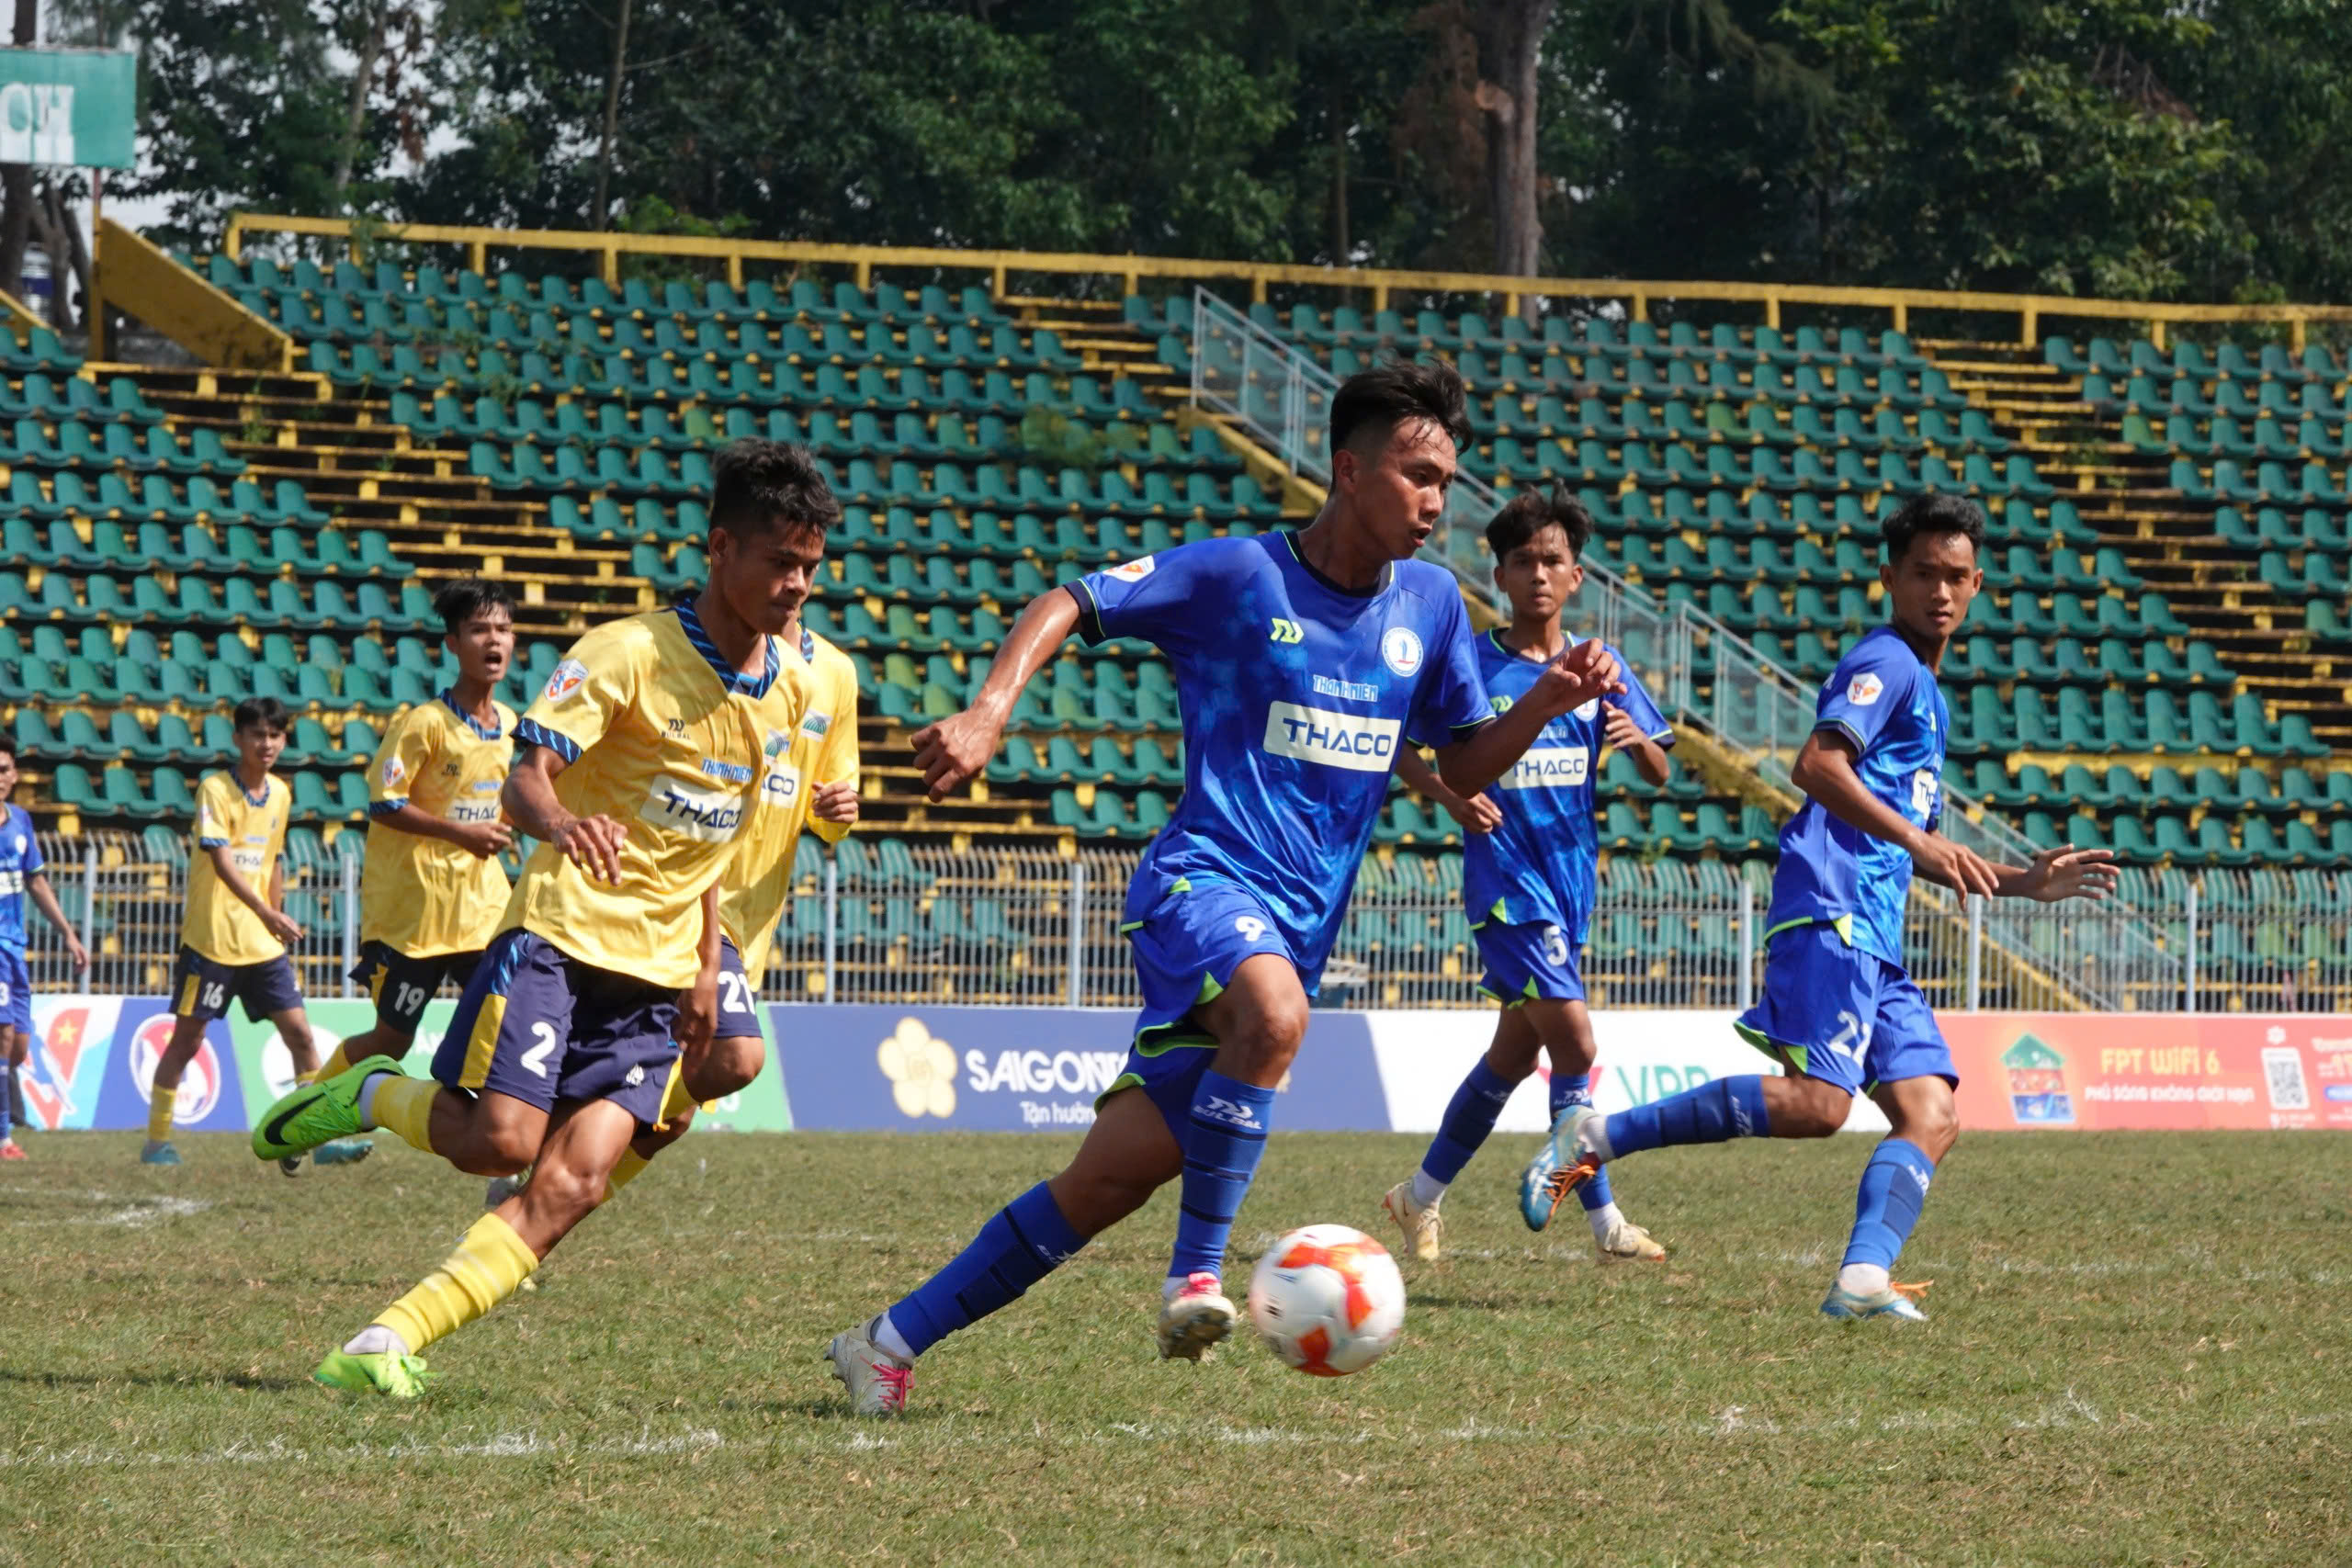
1057 441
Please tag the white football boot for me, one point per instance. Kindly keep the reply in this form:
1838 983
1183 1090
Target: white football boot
1195 1319
876 1379
1424 1228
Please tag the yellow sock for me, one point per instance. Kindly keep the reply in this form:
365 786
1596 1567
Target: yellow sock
336 1062
159 1113
675 1100
485 1269
624 1172
403 1106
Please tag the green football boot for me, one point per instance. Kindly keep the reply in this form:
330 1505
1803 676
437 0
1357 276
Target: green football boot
395 1377
317 1113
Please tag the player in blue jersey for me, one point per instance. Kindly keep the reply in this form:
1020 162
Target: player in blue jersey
1839 1012
1529 857
21 872
1302 661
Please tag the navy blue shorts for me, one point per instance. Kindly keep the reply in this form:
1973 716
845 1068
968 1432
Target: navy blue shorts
16 992
538 1024
1528 961
401 985
202 989
1833 1012
739 1016
1186 948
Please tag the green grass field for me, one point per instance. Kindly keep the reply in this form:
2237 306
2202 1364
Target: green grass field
2140 1354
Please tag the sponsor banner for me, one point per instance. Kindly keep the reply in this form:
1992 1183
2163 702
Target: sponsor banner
1641 1058
2151 1071
919 1068
72 1037
211 1097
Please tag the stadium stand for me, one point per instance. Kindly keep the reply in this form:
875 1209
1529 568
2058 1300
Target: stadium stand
2156 664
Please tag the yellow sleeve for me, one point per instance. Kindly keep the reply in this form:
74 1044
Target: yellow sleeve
213 815
595 681
401 760
837 763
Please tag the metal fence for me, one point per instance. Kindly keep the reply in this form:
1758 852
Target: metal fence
891 920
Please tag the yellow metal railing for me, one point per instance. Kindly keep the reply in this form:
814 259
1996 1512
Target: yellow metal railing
2153 316
133 276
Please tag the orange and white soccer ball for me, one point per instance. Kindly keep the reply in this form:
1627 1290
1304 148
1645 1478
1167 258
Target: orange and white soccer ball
1328 1300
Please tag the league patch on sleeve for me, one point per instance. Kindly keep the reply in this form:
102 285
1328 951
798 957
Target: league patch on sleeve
1134 571
568 678
394 771
1864 689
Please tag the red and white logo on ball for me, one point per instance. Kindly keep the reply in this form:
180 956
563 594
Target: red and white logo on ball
200 1082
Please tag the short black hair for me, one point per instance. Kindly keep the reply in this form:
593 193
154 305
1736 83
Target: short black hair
1932 515
261 712
1529 512
759 485
461 599
7 747
1371 403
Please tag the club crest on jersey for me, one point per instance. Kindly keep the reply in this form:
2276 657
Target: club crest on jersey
567 678
1864 689
1134 571
1400 650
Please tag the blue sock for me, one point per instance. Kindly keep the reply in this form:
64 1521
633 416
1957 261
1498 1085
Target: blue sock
1224 1142
1576 1088
1022 1242
1469 1117
1718 1109
1886 1205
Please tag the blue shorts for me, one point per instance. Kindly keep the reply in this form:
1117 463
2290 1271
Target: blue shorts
539 1025
1528 961
1841 1015
1186 948
401 985
202 989
16 992
738 1017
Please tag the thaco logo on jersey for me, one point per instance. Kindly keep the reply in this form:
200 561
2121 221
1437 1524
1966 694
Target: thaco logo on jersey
1336 739
199 1081
701 814
1550 767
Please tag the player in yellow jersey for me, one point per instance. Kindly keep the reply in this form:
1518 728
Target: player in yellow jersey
811 778
233 934
432 892
635 768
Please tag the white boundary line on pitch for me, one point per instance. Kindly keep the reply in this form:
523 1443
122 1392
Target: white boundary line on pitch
1735 1421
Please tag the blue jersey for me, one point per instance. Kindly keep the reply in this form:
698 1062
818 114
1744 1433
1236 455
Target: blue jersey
19 858
1296 695
1538 865
1884 701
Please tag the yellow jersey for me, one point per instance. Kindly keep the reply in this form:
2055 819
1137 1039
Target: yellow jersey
658 733
820 749
218 923
424 896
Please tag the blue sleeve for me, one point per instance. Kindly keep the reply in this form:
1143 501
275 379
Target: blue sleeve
1635 704
1162 599
32 864
1452 701
1869 686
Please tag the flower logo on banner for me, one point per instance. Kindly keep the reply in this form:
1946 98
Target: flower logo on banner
921 1070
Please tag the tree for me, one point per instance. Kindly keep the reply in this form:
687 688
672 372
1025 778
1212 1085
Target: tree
1510 47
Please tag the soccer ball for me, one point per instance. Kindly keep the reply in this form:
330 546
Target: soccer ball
1328 1300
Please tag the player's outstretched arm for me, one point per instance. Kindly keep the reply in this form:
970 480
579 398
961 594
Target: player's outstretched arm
45 900
951 751
1477 814
1581 673
1824 769
592 843
2062 873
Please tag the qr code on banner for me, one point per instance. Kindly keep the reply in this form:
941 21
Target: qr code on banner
2282 1068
